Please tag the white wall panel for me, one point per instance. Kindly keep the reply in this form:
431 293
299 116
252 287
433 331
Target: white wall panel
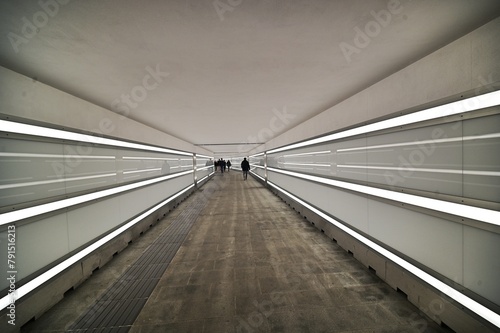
481 263
261 172
482 155
432 241
89 222
351 208
38 244
44 241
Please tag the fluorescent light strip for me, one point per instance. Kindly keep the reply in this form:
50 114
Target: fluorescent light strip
308 164
466 105
311 153
13 127
258 154
257 166
52 206
149 158
203 156
44 277
42 182
204 167
450 171
470 212
97 157
258 176
469 303
181 166
202 179
301 168
424 142
143 170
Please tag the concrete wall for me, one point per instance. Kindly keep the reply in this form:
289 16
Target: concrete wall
23 97
465 65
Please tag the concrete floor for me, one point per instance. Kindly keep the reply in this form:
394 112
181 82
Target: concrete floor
250 264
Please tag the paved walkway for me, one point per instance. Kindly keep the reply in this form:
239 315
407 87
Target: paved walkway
249 264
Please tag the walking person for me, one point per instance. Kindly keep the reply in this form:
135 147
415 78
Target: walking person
245 166
221 165
228 163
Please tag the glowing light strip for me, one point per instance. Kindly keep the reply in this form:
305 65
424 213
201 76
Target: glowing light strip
470 212
205 167
454 294
258 176
258 154
143 170
97 157
424 142
42 182
149 158
44 277
13 127
301 168
452 171
466 105
308 164
311 153
257 166
52 206
204 156
202 179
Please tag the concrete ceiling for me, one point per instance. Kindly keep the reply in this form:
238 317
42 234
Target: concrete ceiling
225 74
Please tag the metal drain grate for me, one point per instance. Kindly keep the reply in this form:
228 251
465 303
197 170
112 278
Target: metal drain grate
119 306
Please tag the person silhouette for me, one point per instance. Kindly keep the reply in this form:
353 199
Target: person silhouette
245 166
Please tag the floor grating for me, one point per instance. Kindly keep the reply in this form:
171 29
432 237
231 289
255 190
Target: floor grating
118 307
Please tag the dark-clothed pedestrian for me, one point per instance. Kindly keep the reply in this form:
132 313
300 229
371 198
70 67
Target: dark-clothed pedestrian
222 165
245 166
